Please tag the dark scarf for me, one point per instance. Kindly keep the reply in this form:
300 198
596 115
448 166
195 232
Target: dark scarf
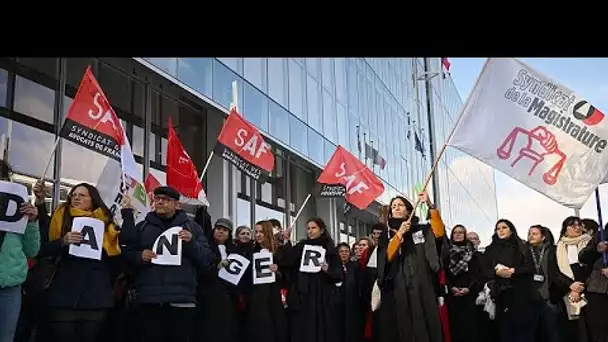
461 254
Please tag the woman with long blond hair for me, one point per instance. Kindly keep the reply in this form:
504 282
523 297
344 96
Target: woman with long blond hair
266 319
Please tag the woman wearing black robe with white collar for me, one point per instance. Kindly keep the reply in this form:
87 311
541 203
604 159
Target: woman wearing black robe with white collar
463 271
407 276
310 298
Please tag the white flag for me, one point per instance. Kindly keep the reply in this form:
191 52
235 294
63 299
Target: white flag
535 130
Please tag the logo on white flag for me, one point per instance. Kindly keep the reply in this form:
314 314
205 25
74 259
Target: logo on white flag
535 130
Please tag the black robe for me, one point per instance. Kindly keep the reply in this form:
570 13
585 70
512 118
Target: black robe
409 310
217 319
462 309
265 317
350 315
311 307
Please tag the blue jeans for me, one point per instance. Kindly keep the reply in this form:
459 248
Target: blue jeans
10 306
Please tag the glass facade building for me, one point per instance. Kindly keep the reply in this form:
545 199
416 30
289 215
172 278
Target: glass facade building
304 106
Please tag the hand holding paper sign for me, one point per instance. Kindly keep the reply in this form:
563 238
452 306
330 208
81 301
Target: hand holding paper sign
29 210
91 233
185 235
168 248
147 255
72 237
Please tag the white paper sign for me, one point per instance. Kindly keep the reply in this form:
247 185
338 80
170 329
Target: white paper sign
312 258
92 231
12 195
222 250
261 267
373 259
235 270
168 248
535 130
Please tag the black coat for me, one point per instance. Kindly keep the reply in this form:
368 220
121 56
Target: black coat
160 284
265 319
79 283
310 298
217 314
464 325
350 312
512 295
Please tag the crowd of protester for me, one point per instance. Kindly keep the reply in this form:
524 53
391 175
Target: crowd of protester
407 282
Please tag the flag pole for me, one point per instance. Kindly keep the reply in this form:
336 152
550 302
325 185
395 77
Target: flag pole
293 222
234 105
600 221
445 144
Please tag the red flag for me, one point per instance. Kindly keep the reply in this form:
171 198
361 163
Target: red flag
181 172
345 175
150 184
446 63
242 144
91 122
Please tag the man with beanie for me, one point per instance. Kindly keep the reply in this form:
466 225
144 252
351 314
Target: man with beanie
166 294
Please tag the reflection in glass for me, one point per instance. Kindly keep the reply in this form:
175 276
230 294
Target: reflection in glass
330 148
3 82
255 107
298 137
276 80
263 213
316 147
327 67
314 105
33 99
243 213
137 141
167 64
196 73
279 122
296 89
116 87
29 148
344 129
79 164
340 68
222 84
312 66
254 71
232 63
329 117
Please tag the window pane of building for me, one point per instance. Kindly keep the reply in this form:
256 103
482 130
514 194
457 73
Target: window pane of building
314 105
298 135
343 127
316 147
196 73
312 66
29 148
222 84
279 122
167 64
33 99
296 89
327 67
329 117
254 71
255 107
340 68
232 63
276 80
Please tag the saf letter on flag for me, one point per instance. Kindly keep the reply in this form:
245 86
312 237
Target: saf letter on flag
243 145
535 130
91 122
345 175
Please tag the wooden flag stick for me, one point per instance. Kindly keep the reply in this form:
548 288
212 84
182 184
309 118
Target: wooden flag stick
300 211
